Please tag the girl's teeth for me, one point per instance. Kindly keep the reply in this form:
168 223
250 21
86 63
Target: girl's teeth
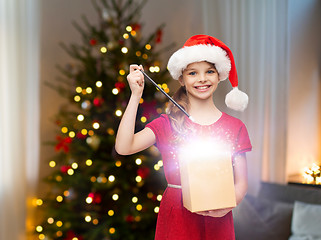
204 87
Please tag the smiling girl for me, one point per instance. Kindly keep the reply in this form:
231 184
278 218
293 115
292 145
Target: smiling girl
199 66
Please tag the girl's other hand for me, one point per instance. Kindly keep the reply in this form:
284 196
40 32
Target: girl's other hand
215 213
135 79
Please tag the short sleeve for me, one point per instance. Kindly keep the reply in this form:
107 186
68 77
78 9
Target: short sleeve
243 143
161 128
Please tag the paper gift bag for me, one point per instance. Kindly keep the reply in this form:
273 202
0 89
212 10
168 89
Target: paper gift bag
207 180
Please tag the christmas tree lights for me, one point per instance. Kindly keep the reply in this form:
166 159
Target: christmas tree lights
94 193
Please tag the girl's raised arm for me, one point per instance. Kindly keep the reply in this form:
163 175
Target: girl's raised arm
127 142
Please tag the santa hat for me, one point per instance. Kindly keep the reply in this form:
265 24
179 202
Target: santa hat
200 48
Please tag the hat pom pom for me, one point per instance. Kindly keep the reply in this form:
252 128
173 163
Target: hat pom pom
236 100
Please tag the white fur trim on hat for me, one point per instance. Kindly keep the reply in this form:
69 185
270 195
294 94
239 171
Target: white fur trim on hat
236 99
198 53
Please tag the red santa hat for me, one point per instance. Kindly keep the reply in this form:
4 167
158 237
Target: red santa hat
200 48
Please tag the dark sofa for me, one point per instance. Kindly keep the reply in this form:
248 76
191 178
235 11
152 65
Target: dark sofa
279 212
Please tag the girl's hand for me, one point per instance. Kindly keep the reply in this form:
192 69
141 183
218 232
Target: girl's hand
135 79
215 213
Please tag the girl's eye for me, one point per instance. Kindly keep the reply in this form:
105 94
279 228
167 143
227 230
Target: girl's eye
192 73
211 71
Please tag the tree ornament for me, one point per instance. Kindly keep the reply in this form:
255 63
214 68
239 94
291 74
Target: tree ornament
93 142
79 135
93 42
86 104
143 172
98 101
130 218
159 35
63 144
120 86
71 235
64 169
149 109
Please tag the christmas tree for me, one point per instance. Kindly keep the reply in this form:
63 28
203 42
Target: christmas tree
96 194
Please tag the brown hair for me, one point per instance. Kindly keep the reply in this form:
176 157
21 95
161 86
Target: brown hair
176 116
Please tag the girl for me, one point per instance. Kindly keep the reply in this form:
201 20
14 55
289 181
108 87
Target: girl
199 66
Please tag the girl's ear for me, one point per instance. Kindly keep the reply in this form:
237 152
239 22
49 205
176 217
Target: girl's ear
180 80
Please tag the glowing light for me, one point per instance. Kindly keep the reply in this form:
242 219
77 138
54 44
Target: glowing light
78 89
59 198
125 35
41 236
124 50
143 119
88 218
66 193
93 179
139 207
58 178
156 167
138 53
118 163
89 162
77 98
70 171
138 161
115 197
74 165
39 228
80 117
145 56
64 130
150 195
141 100
111 213
148 46
134 199
159 197
156 209
122 72
111 178
138 218
59 223
112 230
164 86
156 69
103 49
115 91
99 84
129 28
84 131
118 113
95 221
52 164
133 33
96 125
38 202
160 163
89 200
59 233
90 132
89 90
72 134
138 179
110 131
50 220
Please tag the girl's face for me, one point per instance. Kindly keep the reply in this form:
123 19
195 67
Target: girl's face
200 80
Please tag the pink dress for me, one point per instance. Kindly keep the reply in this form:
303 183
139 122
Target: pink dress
174 221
